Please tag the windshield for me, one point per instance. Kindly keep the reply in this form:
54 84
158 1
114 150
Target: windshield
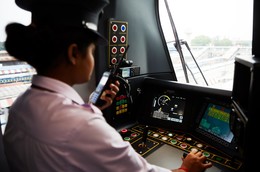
204 37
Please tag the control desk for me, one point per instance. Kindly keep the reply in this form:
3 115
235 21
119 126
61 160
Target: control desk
175 118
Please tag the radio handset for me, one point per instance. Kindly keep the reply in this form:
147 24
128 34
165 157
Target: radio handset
106 79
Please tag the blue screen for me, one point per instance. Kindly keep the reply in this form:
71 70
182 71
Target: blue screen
215 120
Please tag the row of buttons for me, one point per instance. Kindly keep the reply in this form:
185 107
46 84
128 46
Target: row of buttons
118 40
122 28
122 39
188 144
121 104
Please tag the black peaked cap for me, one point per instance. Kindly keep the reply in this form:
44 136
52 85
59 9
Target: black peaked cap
77 13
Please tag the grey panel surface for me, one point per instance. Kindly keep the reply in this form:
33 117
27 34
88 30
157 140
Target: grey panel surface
170 157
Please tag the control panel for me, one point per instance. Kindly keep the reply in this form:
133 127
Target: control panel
118 40
157 137
184 117
118 44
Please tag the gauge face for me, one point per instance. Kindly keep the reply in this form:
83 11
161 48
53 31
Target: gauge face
169 107
163 100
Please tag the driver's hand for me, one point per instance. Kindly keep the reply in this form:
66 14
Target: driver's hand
109 95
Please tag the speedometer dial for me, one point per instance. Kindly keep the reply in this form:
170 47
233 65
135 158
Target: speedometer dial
163 100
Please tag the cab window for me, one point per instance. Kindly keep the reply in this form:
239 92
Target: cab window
204 37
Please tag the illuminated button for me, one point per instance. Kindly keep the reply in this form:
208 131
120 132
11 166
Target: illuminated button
219 159
170 134
122 39
124 130
123 96
179 137
123 28
161 131
113 60
173 141
114 50
134 135
199 145
206 154
126 138
194 150
183 145
114 27
114 39
189 139
164 138
155 135
122 49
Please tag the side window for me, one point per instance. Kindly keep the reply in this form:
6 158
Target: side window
10 12
15 76
210 34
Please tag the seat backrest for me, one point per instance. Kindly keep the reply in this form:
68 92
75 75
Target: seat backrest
3 161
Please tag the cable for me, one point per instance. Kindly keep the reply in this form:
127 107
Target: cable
126 86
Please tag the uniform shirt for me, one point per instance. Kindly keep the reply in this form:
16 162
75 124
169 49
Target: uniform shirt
49 130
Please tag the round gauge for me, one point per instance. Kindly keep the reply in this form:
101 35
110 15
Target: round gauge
163 100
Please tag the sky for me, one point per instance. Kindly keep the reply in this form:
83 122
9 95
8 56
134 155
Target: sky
228 18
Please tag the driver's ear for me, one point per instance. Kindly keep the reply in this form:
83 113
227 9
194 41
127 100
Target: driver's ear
73 53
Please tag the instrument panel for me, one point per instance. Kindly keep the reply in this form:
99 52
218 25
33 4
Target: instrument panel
183 117
168 107
159 137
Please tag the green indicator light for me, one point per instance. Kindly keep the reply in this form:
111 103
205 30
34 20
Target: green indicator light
218 159
127 138
173 142
206 154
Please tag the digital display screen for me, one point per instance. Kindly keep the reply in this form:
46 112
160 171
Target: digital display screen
215 120
102 82
168 107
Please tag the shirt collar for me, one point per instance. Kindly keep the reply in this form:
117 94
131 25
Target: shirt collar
58 87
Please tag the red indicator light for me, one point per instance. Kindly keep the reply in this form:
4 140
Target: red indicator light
122 49
114 39
114 60
122 39
114 27
114 50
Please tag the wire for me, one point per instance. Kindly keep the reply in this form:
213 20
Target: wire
126 86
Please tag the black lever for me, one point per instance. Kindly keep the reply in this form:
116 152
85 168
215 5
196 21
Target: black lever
145 134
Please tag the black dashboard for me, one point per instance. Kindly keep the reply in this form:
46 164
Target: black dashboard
185 117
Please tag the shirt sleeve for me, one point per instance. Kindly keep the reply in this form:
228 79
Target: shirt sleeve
96 146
